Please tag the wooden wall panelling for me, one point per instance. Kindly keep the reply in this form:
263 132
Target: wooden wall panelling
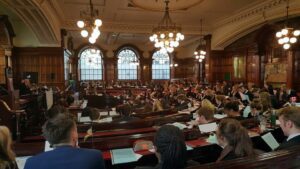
47 61
2 66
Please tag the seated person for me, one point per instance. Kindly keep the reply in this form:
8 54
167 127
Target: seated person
256 108
289 118
208 104
182 102
170 148
204 115
7 157
234 138
232 110
61 133
220 99
125 111
55 110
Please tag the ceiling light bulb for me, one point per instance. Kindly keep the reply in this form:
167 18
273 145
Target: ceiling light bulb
280 41
293 40
84 33
286 40
80 24
278 34
98 22
197 57
195 53
162 35
202 56
200 60
296 32
170 50
284 31
171 35
175 64
286 46
151 38
92 40
182 37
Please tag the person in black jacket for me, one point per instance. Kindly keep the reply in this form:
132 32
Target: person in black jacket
289 119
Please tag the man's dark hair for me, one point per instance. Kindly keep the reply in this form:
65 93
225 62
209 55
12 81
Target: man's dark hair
55 110
58 129
232 105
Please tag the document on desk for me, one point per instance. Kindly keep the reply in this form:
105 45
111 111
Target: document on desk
179 125
126 155
220 116
21 161
103 113
270 140
207 128
85 119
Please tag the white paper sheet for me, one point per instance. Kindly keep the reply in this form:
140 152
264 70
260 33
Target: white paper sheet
105 113
179 125
246 111
125 155
212 139
47 146
206 128
85 119
220 116
49 99
21 161
270 140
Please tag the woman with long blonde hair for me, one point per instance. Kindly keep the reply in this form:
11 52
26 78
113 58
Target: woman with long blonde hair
7 156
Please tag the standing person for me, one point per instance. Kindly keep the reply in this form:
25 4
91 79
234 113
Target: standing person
61 133
7 156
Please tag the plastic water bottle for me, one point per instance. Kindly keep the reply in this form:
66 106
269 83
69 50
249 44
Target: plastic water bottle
273 118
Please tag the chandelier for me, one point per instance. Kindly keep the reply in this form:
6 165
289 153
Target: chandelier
90 24
200 52
287 36
166 35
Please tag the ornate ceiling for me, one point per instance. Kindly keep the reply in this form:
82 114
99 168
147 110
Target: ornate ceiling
131 21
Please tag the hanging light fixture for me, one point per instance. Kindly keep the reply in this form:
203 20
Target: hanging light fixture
167 35
200 52
90 24
287 36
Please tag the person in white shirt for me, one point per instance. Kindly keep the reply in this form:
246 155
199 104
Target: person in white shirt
289 118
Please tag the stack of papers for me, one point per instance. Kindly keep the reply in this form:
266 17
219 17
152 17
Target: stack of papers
126 155
207 128
104 120
246 111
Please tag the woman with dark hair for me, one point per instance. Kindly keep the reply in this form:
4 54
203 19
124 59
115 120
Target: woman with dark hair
170 148
234 138
7 156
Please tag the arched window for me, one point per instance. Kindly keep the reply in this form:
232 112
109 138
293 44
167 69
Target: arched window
127 64
91 64
160 65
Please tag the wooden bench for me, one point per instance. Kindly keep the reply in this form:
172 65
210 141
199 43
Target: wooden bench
283 159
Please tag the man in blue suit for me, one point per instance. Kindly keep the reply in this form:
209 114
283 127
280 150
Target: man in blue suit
61 133
289 119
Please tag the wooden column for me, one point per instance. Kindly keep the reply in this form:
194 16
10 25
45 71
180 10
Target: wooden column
290 69
208 60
